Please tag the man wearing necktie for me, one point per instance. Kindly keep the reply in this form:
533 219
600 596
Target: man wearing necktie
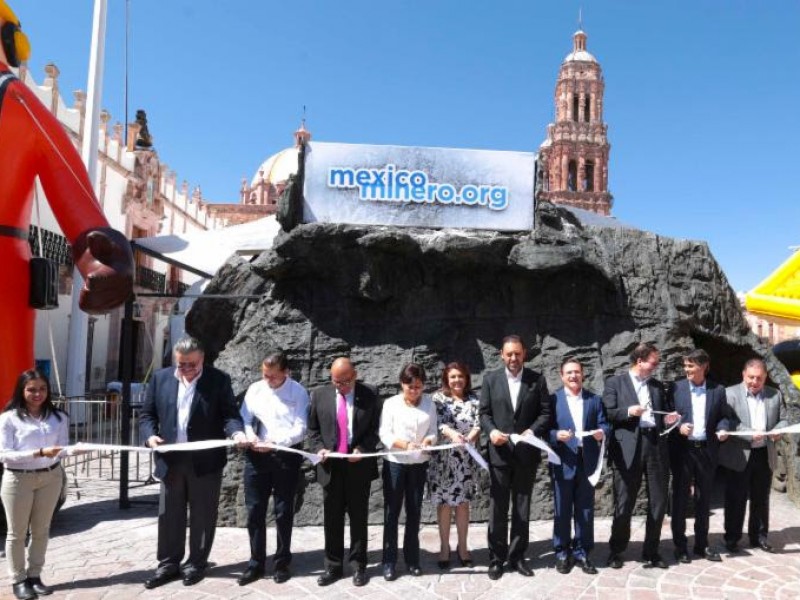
344 418
274 411
705 421
638 410
750 460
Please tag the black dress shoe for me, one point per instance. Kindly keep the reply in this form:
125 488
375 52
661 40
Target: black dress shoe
389 572
563 565
586 565
732 547
360 577
38 587
250 575
708 554
682 556
465 562
161 578
615 561
23 591
495 571
443 564
281 575
654 562
764 545
328 577
415 570
521 568
193 576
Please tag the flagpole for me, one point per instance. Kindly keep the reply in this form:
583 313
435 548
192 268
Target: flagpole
76 355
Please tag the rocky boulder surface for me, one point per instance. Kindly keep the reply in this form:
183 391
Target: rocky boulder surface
578 284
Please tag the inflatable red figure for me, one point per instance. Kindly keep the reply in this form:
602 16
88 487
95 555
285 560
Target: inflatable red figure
34 144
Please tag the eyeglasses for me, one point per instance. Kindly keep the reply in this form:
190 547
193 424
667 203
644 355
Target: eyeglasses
188 366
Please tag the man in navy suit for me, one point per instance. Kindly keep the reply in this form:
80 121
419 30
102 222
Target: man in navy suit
186 403
637 408
705 422
514 399
577 412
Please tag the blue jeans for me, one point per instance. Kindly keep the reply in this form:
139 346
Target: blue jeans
402 482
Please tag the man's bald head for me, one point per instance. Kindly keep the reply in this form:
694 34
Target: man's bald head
343 375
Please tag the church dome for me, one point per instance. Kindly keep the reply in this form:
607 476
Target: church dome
278 167
579 52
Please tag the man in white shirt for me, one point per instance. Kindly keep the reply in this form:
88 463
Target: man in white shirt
186 403
274 412
514 399
750 460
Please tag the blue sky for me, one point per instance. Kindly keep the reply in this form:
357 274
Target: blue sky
701 96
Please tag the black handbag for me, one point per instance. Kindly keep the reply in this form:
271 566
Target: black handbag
44 284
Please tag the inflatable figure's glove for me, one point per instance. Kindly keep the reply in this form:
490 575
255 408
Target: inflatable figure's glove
104 258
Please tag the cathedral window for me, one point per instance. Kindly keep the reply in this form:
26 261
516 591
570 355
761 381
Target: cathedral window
588 183
572 176
587 101
575 106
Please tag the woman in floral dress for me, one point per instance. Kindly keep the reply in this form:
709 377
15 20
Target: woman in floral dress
452 472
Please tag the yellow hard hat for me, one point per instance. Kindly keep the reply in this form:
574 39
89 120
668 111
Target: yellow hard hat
15 42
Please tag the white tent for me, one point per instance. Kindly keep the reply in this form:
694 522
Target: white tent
204 252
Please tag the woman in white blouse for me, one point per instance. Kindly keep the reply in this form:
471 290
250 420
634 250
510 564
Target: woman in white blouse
32 434
408 423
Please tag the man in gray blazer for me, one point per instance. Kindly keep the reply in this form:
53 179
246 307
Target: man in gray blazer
751 459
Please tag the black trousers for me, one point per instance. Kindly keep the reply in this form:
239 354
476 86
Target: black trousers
402 482
652 465
182 489
515 483
755 483
270 474
693 464
347 493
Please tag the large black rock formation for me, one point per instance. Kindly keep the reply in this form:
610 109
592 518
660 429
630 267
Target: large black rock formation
578 284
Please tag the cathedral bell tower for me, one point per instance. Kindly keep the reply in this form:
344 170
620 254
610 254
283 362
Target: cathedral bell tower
573 160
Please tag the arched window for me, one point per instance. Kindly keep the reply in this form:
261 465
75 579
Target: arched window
588 183
572 177
587 103
575 105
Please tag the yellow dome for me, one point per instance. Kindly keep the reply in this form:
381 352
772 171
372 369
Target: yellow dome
278 167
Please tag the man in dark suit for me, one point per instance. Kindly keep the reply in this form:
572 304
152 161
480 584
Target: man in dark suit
750 460
705 422
514 399
637 408
187 403
577 411
345 417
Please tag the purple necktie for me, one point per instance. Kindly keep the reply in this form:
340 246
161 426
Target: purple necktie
341 418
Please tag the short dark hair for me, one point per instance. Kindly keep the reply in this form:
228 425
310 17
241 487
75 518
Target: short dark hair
18 399
755 362
513 339
570 359
699 357
642 351
276 358
457 366
412 371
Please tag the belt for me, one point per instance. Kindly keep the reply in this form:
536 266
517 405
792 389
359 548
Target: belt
15 232
42 470
698 443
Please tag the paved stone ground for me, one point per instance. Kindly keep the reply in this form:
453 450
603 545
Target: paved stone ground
99 551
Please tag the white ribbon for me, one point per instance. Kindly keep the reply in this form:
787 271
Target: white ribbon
537 443
598 470
779 431
310 456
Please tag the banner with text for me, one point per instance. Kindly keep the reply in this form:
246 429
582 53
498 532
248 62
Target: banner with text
418 187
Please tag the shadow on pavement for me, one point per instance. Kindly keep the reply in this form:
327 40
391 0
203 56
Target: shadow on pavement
83 516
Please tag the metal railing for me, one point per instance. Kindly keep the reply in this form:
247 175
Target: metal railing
97 419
